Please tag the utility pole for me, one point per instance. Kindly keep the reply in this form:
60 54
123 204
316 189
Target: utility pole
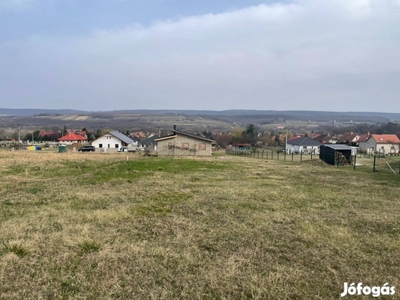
19 137
286 140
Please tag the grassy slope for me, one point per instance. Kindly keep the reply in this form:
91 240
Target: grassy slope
95 226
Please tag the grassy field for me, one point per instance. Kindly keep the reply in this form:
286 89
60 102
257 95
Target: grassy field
99 226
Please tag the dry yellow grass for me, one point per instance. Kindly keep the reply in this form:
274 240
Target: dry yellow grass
96 226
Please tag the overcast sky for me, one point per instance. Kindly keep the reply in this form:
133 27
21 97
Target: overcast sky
333 55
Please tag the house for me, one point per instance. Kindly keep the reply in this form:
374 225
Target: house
183 144
349 137
113 141
303 145
380 143
325 139
362 143
71 138
149 144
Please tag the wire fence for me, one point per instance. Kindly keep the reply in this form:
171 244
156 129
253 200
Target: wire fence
379 164
273 155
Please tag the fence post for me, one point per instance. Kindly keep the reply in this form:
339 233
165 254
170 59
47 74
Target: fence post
292 155
374 168
311 154
284 155
272 154
277 153
301 156
355 159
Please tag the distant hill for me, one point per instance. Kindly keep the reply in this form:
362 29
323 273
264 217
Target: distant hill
231 112
36 111
190 120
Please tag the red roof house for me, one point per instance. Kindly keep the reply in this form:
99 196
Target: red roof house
380 143
71 138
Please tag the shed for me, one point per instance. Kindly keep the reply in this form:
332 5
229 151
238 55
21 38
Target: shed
335 154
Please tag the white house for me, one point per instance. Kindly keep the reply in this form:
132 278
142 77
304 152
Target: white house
112 141
303 145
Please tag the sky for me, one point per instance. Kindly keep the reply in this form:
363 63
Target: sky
96 55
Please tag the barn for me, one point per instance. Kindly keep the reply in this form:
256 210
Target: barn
335 154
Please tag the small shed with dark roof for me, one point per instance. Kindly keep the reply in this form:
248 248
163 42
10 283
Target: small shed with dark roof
336 154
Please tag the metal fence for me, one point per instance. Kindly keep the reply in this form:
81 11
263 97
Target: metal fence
369 163
273 155
378 163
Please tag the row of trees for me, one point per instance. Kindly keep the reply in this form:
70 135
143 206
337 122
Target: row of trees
56 134
250 135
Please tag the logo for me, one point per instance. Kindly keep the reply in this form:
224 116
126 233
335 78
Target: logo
359 289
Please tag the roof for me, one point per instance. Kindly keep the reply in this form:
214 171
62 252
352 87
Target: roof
349 136
185 134
121 137
167 137
338 146
149 140
386 138
135 138
364 138
304 141
314 135
72 137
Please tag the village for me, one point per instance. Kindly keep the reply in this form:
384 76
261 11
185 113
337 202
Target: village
176 142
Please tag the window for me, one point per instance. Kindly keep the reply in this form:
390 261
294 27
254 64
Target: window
116 146
100 145
108 145
185 146
202 146
170 146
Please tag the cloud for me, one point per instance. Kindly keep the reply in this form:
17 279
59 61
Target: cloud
310 54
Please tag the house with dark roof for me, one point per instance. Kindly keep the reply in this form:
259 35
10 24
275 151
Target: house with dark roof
149 144
348 138
304 145
325 139
183 144
112 141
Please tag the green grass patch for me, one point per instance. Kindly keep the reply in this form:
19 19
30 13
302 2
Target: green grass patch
100 227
